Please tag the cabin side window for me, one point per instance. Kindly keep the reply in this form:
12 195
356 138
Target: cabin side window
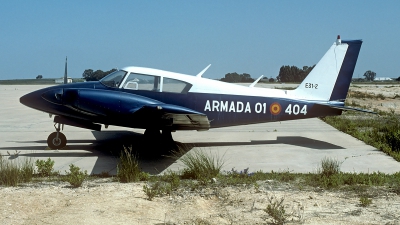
142 82
175 86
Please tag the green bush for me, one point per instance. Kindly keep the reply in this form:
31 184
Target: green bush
392 138
45 168
75 176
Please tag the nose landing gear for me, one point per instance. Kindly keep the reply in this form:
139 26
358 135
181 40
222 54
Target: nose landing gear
57 140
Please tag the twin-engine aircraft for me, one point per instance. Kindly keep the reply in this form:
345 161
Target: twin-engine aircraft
162 102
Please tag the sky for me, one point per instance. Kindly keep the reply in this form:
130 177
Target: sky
254 37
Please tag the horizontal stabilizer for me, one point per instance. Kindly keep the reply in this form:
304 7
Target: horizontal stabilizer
346 108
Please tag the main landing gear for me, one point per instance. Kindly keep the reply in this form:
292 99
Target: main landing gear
156 135
57 140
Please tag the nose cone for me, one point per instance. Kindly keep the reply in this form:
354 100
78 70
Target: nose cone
40 99
30 99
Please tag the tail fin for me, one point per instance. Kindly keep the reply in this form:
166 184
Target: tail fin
330 79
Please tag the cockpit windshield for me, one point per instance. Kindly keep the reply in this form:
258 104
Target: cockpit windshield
113 79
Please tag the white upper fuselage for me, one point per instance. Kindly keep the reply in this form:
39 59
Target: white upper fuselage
209 86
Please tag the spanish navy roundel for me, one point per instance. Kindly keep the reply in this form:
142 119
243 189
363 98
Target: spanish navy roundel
275 108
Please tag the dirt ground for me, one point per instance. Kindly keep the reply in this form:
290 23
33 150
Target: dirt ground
102 201
391 94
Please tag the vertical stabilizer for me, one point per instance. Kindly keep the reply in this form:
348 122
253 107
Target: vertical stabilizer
66 72
330 79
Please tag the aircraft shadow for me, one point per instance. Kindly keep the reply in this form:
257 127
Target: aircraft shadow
289 140
154 157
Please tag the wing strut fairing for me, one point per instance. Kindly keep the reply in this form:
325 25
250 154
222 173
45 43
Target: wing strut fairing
203 71
256 81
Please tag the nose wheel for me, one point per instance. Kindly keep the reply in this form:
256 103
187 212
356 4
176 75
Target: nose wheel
56 140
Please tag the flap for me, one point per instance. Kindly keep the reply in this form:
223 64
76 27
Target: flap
181 118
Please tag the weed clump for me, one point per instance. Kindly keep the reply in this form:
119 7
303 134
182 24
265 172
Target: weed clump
153 190
45 168
12 173
164 185
201 165
26 170
276 210
173 181
128 167
329 167
365 201
75 176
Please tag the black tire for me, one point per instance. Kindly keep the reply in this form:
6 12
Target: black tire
152 134
167 136
56 143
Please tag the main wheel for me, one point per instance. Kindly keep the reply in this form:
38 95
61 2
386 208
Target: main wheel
167 136
56 143
152 134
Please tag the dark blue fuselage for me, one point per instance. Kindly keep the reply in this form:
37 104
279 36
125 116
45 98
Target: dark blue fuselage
94 102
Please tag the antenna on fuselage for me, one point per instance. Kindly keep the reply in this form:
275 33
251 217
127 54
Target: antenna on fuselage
203 71
256 81
66 72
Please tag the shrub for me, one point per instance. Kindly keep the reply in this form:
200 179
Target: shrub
45 168
75 177
128 167
392 138
201 165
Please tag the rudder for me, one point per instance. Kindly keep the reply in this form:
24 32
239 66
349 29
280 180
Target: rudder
343 81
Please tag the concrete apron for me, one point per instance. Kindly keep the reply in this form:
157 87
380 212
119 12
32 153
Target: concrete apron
295 146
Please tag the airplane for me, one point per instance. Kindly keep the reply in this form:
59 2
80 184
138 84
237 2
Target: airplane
162 102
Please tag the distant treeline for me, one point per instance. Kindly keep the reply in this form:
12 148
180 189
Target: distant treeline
286 74
27 81
90 75
293 73
237 78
